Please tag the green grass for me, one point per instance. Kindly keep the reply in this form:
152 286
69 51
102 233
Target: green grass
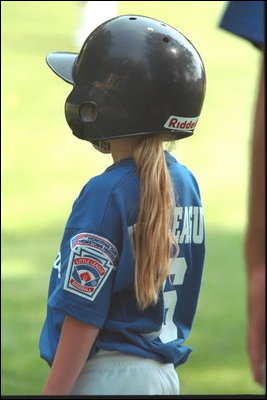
44 168
218 364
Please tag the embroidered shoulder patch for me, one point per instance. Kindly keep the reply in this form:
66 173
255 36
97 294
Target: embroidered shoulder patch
97 242
89 265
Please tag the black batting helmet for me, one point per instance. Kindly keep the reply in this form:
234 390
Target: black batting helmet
134 75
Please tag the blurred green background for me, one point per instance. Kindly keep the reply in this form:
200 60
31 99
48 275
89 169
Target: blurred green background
44 167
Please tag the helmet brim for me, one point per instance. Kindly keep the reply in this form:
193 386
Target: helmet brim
62 64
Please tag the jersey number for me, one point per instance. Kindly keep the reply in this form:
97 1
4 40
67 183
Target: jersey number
169 329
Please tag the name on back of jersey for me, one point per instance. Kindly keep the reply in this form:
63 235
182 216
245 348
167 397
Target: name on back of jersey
188 224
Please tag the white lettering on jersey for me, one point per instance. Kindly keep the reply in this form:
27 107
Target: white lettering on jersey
169 329
57 264
188 226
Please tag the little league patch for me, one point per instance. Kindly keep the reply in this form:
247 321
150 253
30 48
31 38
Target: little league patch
88 269
95 241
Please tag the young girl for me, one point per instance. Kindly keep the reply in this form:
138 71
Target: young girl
125 284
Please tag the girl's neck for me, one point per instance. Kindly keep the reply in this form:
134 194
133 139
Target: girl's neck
122 148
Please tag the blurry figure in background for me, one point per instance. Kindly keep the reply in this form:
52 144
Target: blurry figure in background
93 14
245 19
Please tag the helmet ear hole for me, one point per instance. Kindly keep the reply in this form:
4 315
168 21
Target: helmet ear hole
88 112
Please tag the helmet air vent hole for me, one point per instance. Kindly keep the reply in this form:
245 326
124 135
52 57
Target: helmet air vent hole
132 18
88 112
163 24
165 39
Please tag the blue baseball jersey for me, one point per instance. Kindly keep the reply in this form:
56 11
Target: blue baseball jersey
245 19
92 279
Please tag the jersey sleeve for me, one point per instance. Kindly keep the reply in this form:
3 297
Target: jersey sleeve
245 19
89 255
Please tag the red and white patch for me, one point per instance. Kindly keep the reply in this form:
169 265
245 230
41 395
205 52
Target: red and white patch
97 242
87 271
180 123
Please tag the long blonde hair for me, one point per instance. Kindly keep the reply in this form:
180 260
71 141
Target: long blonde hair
152 236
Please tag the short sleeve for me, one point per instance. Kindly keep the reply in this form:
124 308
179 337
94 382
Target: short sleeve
245 19
89 255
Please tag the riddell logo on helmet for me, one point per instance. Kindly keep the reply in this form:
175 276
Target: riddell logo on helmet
180 123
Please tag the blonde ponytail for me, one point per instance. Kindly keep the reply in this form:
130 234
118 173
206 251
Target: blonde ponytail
152 237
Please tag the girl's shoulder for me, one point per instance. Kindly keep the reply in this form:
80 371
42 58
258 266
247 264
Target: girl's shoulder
118 178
